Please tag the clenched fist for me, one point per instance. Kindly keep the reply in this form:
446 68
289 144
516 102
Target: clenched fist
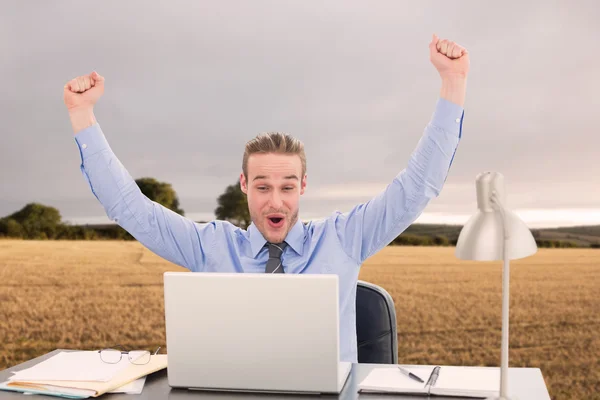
450 59
83 92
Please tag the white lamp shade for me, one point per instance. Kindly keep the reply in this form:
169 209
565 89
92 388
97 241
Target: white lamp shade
482 237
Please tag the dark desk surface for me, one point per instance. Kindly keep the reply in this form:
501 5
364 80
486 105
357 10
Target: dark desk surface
524 384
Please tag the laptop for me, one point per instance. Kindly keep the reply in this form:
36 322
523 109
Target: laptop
254 332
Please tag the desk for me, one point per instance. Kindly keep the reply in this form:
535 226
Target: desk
524 383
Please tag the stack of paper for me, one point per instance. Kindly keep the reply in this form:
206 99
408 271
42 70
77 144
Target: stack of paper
83 374
134 387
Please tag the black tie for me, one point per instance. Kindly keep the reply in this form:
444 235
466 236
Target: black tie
274 263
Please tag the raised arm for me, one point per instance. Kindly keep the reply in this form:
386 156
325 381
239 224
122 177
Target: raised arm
166 233
370 226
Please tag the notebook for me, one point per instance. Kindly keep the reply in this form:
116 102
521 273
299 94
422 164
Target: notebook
475 382
85 389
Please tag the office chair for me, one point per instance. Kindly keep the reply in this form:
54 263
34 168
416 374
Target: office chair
376 329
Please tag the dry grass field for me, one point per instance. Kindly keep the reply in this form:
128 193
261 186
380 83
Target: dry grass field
86 295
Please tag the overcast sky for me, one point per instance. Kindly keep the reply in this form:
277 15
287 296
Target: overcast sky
188 83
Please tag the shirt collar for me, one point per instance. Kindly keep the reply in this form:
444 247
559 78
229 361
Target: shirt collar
294 238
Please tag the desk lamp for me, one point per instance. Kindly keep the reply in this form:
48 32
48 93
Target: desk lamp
496 233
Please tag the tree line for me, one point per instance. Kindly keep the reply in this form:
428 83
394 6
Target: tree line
37 221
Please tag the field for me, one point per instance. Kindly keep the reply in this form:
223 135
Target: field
87 295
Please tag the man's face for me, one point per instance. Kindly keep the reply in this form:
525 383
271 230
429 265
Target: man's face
273 188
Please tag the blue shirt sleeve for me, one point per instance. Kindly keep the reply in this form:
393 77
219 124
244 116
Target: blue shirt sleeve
164 232
370 226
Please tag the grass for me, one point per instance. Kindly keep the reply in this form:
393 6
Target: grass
87 295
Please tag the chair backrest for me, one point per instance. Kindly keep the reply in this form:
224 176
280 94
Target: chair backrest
376 329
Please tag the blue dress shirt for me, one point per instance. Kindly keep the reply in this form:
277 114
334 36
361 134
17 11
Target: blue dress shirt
338 244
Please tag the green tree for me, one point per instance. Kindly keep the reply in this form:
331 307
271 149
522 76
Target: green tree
160 192
76 232
11 228
412 240
441 240
233 206
36 221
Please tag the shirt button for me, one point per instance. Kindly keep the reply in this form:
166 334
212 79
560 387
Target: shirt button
457 120
84 146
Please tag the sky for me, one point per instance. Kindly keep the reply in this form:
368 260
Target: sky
188 83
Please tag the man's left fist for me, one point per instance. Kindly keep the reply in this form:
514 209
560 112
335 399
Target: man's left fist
450 59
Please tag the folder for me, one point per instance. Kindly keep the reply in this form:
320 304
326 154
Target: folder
85 389
451 381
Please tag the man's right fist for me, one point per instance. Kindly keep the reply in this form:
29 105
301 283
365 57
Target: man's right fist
83 91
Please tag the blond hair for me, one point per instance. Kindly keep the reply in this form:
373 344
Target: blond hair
274 142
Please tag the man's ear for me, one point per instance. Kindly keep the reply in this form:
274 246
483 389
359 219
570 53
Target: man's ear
303 184
243 183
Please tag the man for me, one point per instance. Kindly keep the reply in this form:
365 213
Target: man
274 177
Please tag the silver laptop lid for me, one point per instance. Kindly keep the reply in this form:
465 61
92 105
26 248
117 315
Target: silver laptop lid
252 331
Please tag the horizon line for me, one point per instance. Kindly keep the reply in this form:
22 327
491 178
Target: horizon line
533 218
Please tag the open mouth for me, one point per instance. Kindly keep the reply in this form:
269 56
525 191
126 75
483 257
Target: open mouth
275 222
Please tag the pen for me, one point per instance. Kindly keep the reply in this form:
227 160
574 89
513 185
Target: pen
410 374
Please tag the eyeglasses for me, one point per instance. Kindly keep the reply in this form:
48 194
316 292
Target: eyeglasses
114 354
